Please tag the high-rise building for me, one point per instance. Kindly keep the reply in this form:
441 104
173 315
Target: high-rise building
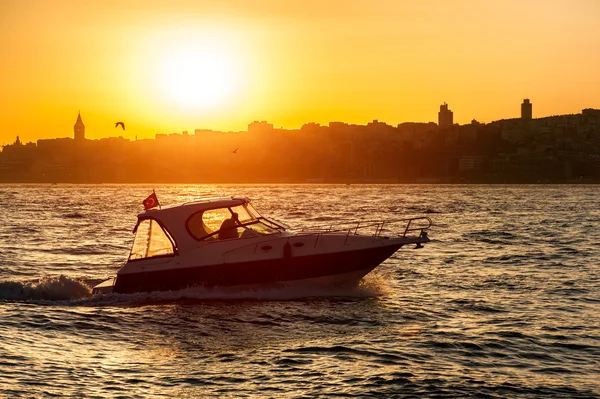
79 129
445 116
526 109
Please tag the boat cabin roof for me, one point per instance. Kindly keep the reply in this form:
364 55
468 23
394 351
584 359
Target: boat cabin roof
195 221
188 208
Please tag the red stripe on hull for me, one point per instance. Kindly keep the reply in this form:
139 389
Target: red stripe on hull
256 272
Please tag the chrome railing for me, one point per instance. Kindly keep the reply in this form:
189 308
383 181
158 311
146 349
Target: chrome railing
416 224
420 224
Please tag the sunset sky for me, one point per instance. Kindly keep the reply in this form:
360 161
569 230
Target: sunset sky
169 66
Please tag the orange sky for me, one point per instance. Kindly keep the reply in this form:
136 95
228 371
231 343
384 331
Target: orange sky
168 66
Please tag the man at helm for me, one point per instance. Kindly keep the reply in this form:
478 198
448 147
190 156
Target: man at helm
229 227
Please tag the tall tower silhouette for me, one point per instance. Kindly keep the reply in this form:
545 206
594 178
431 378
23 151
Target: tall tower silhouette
526 109
445 116
79 129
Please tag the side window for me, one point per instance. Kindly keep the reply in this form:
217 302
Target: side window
196 226
213 218
150 240
204 223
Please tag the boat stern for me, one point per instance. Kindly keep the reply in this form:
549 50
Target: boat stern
105 287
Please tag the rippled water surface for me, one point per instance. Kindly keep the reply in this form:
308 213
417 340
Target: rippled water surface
504 302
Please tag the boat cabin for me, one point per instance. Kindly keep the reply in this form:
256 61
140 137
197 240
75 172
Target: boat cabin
169 230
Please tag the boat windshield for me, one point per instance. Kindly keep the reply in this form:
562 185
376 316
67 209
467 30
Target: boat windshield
151 240
240 221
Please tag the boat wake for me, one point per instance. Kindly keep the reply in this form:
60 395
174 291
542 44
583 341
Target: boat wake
59 288
78 292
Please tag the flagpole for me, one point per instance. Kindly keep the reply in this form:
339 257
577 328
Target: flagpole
159 206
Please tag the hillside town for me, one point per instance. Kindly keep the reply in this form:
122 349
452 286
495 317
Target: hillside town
553 149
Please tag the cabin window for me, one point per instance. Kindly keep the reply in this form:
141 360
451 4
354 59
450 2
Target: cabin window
150 240
203 224
213 218
196 226
208 225
252 211
243 214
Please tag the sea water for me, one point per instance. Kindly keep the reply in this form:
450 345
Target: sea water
504 302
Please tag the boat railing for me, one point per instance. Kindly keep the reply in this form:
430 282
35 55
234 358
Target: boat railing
406 225
394 228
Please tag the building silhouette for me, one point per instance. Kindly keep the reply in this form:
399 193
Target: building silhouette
79 129
445 116
553 149
526 110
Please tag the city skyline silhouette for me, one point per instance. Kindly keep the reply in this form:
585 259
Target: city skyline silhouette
445 118
555 149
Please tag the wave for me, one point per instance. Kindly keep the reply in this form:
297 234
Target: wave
74 215
414 208
51 288
492 237
84 249
21 230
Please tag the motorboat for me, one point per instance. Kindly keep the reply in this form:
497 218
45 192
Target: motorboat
225 242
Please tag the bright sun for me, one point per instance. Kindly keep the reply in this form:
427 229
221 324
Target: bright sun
199 76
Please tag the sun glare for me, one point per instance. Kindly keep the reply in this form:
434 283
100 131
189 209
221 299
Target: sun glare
199 76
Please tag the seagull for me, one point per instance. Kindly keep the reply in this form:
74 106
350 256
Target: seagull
120 123
235 151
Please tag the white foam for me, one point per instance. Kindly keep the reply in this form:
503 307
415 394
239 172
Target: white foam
372 285
53 288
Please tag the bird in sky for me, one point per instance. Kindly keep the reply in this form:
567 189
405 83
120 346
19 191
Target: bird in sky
235 151
120 123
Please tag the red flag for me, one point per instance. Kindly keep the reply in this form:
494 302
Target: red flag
151 201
